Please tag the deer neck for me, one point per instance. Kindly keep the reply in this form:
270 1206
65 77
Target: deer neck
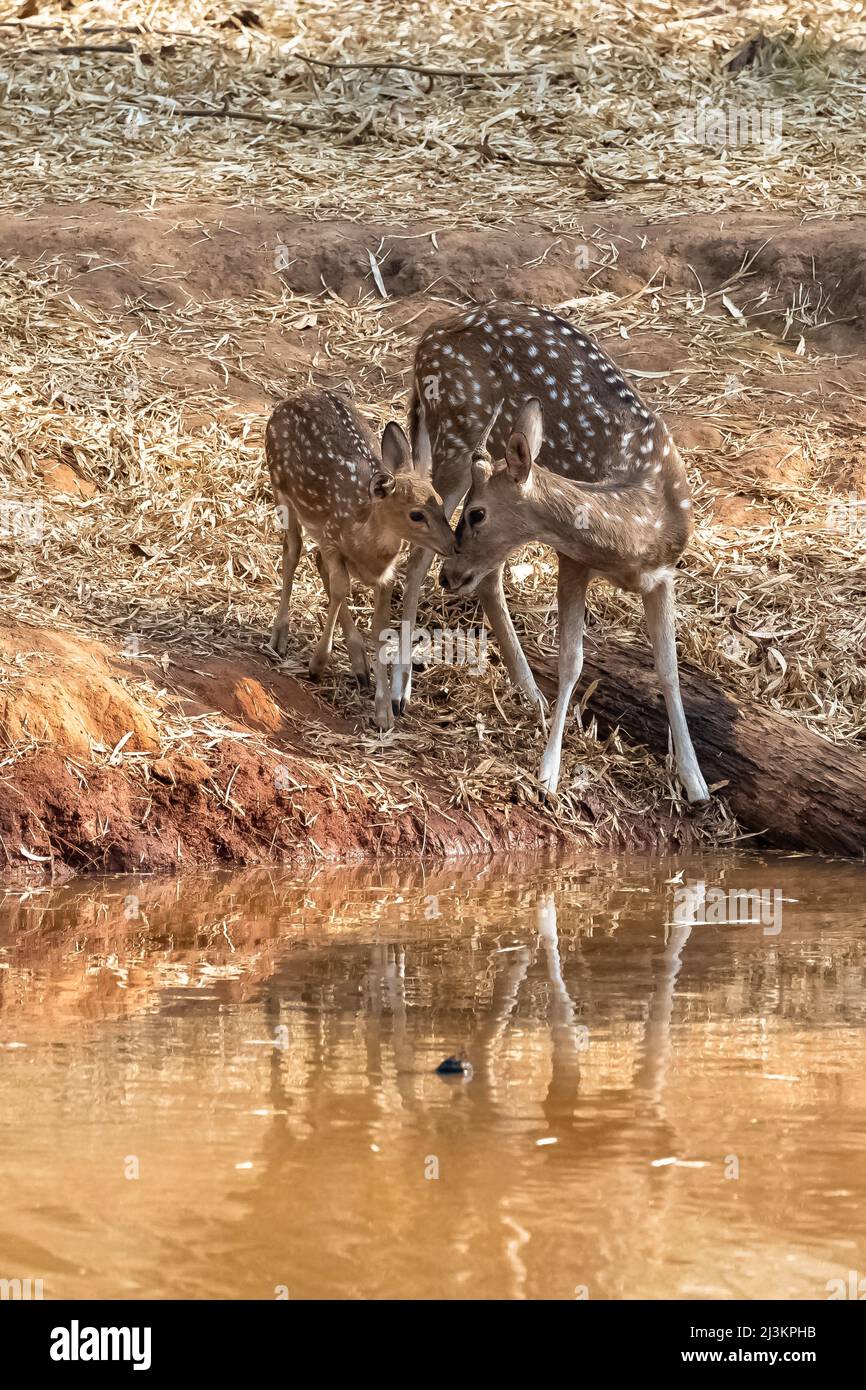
371 545
610 527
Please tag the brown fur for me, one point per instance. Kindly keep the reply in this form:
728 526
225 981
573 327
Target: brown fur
581 465
360 502
603 455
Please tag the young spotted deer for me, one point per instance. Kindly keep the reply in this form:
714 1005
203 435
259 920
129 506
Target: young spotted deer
473 374
629 527
360 504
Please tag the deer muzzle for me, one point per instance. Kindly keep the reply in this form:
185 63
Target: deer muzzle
455 579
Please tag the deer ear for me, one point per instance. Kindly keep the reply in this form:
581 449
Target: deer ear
518 458
396 450
382 484
530 422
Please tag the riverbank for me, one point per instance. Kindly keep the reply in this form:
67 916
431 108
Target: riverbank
147 765
167 277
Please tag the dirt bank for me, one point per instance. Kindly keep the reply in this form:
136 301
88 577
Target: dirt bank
115 765
144 726
167 276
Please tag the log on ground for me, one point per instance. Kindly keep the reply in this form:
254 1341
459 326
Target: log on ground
792 786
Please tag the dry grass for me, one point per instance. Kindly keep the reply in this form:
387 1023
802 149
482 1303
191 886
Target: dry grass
177 548
601 89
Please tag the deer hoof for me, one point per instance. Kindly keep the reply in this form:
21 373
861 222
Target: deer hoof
401 690
547 784
698 797
697 792
384 717
532 696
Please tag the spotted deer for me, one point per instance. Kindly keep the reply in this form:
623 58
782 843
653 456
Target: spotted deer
360 503
577 461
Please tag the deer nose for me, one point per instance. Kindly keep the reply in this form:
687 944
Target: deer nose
443 578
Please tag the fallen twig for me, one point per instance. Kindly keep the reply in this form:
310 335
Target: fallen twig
263 119
85 48
468 74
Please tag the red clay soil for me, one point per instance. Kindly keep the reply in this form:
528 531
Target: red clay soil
180 816
72 801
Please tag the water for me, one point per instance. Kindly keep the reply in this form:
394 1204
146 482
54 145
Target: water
225 1086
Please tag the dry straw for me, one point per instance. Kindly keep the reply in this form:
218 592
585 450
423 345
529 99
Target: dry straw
558 108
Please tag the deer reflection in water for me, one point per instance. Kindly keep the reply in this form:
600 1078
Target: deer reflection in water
571 1038
381 1057
273 1044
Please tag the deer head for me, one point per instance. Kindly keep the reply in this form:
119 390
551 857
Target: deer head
403 502
496 518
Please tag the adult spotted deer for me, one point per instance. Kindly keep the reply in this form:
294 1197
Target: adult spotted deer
360 504
581 464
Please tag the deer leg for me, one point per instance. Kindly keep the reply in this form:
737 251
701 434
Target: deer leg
496 611
401 678
381 622
338 591
292 539
658 605
416 572
571 605
355 643
356 647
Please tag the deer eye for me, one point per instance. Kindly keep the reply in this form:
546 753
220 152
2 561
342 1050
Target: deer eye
476 516
417 516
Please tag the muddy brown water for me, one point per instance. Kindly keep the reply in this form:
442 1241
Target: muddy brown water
225 1086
